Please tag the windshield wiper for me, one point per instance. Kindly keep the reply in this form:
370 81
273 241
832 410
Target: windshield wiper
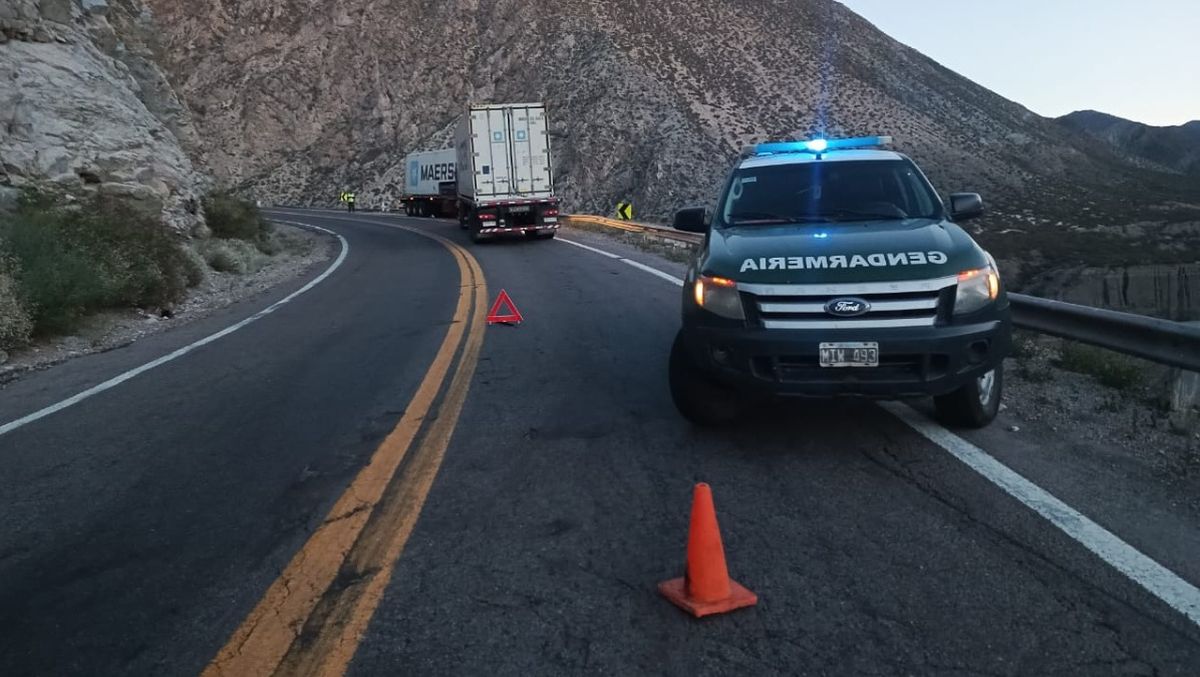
744 218
872 216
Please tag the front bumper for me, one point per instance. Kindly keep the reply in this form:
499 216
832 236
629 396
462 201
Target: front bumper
913 362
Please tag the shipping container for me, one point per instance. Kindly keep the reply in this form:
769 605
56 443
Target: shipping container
429 183
505 173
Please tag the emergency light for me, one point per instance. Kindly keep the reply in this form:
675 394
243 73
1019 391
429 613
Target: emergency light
818 147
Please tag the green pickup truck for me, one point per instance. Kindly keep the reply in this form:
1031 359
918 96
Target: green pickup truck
832 268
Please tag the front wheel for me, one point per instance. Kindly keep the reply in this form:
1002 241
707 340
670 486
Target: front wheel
697 397
975 404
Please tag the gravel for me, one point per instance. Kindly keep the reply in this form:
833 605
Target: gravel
1040 394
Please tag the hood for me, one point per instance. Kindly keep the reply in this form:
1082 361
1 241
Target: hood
874 251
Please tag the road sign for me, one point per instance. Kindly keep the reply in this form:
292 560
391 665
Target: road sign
512 315
625 211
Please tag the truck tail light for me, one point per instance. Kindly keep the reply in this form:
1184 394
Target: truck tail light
486 216
551 211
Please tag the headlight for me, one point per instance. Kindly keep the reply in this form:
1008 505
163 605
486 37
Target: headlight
720 296
976 289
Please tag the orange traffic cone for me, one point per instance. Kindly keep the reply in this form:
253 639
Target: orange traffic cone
706 587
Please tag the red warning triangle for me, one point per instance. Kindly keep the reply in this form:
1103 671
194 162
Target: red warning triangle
511 315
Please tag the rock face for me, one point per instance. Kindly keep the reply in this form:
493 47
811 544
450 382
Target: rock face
1174 148
650 100
1167 291
84 105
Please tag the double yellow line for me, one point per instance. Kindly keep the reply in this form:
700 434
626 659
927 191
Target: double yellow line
306 624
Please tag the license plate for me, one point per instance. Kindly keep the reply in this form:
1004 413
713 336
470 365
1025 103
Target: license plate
519 210
865 354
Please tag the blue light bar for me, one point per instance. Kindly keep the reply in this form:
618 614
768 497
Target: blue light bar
820 146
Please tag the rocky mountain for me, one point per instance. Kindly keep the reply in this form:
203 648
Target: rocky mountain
650 98
84 105
1172 148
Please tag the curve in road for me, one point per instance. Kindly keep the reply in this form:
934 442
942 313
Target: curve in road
147 525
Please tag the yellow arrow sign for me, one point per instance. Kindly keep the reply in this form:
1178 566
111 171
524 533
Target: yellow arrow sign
624 211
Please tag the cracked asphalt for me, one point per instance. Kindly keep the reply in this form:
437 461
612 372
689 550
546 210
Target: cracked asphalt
141 526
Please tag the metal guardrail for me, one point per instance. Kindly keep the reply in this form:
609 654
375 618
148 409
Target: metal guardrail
1172 343
635 227
1163 341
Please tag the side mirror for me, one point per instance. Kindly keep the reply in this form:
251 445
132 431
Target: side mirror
692 220
964 206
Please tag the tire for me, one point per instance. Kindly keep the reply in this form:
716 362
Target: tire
697 397
546 236
974 405
475 235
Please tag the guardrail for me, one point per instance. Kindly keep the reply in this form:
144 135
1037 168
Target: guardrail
1163 341
1172 343
635 227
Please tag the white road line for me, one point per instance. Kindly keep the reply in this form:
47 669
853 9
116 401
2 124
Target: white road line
640 266
1140 568
601 252
1155 578
118 380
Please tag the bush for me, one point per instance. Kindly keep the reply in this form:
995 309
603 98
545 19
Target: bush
232 218
222 259
71 261
1111 369
1023 345
15 323
232 256
194 265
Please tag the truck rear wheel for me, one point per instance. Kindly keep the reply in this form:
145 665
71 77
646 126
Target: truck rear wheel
474 234
974 405
698 398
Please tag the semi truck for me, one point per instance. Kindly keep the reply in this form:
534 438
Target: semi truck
429 184
505 175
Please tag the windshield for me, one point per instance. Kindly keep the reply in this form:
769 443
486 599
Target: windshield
866 190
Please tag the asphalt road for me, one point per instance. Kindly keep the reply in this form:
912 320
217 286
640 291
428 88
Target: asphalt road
144 526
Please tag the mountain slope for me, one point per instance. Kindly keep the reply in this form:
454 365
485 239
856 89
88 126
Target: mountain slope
650 100
1175 148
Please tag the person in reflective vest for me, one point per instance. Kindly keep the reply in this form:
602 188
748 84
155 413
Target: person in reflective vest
350 200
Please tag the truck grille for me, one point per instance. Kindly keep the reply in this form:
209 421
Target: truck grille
912 303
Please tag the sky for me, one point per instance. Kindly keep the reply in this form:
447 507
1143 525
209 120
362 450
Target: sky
1138 59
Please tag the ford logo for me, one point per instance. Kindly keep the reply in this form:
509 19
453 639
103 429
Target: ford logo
847 307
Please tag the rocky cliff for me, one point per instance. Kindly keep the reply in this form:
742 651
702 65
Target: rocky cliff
1171 292
649 99
85 106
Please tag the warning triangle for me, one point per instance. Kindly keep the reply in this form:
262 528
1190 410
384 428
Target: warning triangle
498 316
